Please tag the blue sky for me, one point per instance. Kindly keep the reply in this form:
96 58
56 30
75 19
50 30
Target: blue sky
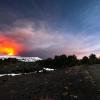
52 27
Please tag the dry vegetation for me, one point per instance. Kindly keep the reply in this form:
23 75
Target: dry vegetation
62 84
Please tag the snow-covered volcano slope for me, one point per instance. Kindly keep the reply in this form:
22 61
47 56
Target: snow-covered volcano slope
24 59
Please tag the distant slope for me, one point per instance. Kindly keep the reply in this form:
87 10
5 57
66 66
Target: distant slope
24 59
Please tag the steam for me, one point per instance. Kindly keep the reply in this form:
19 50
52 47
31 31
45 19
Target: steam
37 38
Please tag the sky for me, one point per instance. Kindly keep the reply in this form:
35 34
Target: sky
46 28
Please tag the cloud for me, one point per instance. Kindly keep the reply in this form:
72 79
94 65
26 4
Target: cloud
38 39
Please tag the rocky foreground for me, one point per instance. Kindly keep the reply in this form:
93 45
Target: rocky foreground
63 84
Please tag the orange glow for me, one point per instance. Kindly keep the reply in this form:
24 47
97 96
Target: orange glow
9 46
7 51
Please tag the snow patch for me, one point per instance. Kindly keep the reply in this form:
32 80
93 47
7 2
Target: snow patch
24 59
48 69
9 74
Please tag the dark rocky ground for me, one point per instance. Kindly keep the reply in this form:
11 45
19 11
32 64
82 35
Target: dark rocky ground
62 84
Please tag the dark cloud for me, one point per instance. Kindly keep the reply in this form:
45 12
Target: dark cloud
45 42
45 28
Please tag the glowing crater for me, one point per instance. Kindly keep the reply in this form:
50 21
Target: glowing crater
7 51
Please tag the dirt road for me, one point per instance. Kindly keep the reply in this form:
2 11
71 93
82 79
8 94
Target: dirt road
94 70
62 84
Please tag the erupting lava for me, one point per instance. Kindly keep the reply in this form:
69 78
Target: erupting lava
7 51
9 47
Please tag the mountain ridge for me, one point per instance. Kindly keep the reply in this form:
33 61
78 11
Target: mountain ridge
20 58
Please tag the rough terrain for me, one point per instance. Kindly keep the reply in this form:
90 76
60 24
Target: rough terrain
63 84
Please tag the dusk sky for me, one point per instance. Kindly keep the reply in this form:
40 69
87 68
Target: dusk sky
46 28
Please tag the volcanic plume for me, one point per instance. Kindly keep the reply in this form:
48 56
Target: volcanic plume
8 46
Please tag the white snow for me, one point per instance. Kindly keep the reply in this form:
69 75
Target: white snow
13 74
24 59
40 71
9 74
48 69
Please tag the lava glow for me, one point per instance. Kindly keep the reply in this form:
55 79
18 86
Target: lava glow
7 51
9 47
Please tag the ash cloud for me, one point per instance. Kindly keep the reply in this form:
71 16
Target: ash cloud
46 28
37 39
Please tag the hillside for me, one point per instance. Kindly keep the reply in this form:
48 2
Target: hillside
63 84
20 58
